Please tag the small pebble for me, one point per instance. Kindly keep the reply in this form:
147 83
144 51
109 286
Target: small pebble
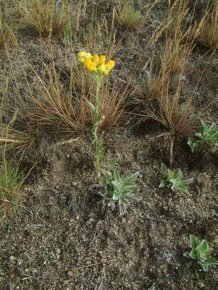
70 274
58 251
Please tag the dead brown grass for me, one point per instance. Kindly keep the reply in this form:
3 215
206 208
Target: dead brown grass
55 102
179 41
46 19
112 105
49 105
208 35
21 142
162 98
128 17
5 31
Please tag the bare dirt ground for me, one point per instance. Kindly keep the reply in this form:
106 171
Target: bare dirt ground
61 237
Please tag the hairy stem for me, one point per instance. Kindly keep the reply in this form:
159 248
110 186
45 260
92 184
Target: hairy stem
98 143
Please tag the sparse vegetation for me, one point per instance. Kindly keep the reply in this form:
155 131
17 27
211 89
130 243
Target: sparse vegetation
68 33
200 251
75 126
174 179
208 136
208 35
98 67
128 17
162 99
119 190
20 142
10 182
46 19
5 30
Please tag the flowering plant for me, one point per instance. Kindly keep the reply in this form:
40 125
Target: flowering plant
95 63
97 66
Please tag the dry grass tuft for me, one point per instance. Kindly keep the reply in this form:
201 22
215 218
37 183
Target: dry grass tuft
112 101
128 17
56 103
165 106
208 35
19 142
5 31
46 19
49 105
178 44
10 182
162 98
174 115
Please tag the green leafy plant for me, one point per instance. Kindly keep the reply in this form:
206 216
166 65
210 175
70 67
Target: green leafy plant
119 189
207 136
200 251
173 179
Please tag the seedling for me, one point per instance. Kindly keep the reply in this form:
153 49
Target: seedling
173 179
119 190
207 136
200 251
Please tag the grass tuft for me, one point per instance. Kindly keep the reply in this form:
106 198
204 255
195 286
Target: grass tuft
46 19
10 181
57 102
128 17
21 142
208 35
5 31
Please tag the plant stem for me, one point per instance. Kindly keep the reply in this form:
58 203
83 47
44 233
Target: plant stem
98 143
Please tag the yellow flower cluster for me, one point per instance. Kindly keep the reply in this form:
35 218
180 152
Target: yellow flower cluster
95 64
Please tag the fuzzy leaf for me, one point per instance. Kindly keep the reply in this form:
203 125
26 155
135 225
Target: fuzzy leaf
188 181
204 266
179 186
192 255
132 177
193 145
203 247
186 254
163 169
194 242
212 261
92 107
111 204
162 184
177 173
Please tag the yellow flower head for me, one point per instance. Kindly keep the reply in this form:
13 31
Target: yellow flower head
95 63
102 59
109 65
82 55
95 58
89 65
